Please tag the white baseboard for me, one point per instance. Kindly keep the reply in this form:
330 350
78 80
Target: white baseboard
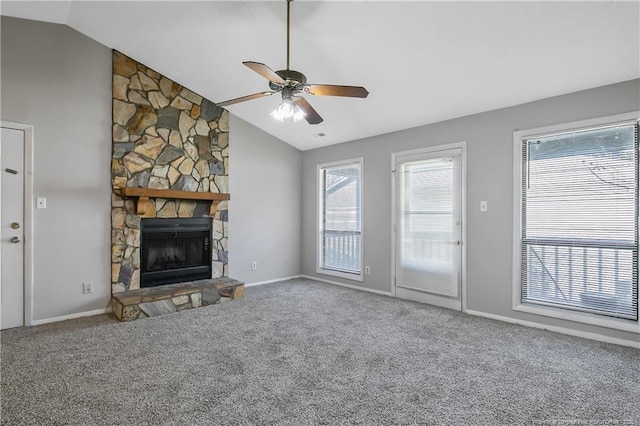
272 281
355 287
556 329
72 316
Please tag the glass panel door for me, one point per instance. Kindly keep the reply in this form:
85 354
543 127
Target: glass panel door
428 223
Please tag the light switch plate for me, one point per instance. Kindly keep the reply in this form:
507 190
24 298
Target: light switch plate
41 203
483 206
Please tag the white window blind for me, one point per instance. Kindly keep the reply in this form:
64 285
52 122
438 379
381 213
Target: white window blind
580 220
340 222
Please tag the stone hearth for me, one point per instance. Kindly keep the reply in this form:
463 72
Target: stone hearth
166 299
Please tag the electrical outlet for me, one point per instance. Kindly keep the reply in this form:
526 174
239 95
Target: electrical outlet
87 287
254 265
367 270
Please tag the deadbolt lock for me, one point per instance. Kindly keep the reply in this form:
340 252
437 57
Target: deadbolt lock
15 225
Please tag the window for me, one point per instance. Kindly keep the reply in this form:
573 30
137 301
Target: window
578 239
340 219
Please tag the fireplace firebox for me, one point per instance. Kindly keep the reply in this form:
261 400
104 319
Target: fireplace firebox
174 250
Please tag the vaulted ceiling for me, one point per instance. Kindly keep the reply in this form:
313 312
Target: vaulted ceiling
422 62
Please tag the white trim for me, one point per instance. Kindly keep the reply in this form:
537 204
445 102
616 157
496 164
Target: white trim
28 214
581 317
516 266
72 316
355 287
257 283
343 275
393 224
463 232
577 125
563 330
319 197
516 285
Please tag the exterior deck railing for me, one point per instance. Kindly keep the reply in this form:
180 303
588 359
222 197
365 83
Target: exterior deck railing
342 250
593 277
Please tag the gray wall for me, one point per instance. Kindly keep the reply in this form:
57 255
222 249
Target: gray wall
60 82
489 139
265 209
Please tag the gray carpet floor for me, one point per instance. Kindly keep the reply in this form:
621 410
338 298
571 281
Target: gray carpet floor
301 352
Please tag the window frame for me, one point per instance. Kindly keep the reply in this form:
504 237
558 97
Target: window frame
551 311
320 269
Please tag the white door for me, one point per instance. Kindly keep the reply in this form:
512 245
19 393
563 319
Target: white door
12 228
428 236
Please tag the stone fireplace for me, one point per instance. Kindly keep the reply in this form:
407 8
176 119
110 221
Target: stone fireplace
170 161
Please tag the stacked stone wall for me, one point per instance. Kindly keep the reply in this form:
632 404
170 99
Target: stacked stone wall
164 137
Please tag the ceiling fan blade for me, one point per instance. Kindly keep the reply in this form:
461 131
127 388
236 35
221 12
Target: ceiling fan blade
245 98
311 115
332 90
266 72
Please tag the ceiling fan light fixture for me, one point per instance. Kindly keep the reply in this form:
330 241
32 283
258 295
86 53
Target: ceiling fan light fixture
284 110
299 114
291 85
288 109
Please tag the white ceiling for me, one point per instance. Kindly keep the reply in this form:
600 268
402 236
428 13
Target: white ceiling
422 62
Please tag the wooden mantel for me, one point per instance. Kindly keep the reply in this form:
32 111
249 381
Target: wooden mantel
142 195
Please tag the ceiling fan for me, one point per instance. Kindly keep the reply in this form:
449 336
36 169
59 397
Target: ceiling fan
291 84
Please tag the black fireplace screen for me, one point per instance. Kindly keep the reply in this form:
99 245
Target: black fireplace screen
174 250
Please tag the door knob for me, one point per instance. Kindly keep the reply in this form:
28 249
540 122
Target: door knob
15 240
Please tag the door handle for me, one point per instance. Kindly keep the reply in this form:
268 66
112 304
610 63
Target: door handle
15 240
